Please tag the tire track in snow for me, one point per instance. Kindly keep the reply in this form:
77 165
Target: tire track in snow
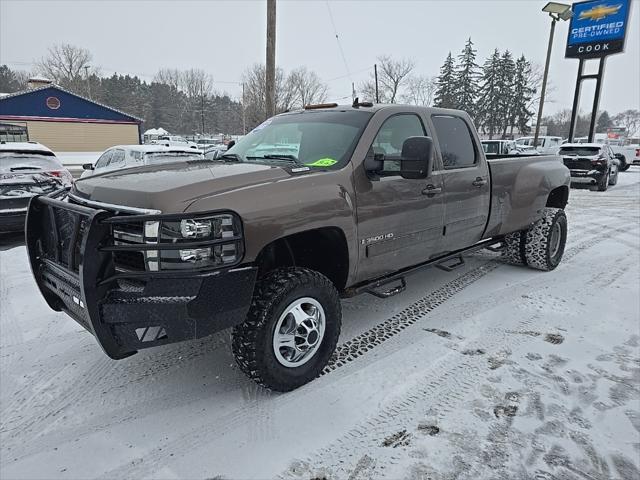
104 371
156 458
407 410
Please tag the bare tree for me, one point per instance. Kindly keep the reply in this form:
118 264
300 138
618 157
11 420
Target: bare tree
169 76
196 83
420 90
308 87
534 81
630 119
65 64
392 77
254 80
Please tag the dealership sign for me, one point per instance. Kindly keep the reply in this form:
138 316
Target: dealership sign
598 28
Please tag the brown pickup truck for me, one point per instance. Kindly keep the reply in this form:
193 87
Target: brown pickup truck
311 206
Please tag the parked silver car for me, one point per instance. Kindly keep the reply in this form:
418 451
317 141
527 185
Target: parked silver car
128 156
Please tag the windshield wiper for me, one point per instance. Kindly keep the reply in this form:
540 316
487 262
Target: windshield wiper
276 156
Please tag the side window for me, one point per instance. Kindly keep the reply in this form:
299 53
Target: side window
118 157
104 159
456 144
394 131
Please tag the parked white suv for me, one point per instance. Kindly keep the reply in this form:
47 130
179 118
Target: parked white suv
547 145
506 147
127 156
174 141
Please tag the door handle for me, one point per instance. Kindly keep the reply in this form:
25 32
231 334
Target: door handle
479 182
430 190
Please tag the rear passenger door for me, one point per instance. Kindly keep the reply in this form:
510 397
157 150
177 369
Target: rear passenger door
466 182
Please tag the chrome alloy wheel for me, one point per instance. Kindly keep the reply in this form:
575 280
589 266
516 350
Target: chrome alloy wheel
298 333
554 241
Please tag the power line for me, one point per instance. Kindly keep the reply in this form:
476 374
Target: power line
335 31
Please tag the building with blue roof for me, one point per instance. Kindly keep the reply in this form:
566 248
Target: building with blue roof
64 121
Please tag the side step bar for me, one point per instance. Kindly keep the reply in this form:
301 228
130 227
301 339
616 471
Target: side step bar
372 286
452 266
391 292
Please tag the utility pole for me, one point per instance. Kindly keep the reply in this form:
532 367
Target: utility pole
544 81
86 73
270 84
244 116
375 73
202 109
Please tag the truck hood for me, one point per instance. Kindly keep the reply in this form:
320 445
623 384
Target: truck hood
170 188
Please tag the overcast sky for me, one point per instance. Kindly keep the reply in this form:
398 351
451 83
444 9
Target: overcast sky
224 37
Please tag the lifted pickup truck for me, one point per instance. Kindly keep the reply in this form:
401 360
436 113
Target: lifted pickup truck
267 243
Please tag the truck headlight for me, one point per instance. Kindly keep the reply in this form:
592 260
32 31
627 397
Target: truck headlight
218 239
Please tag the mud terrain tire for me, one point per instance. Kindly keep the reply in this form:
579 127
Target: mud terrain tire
253 340
513 252
545 240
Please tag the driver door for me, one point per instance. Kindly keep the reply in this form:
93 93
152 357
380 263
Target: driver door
399 221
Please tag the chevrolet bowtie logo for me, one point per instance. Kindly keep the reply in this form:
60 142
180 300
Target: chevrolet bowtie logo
599 12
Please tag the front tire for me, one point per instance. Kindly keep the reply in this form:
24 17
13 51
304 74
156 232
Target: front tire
291 329
546 239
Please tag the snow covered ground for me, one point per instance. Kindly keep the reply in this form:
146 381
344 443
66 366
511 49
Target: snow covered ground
490 371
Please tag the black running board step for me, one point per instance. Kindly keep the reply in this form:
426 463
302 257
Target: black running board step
459 261
391 292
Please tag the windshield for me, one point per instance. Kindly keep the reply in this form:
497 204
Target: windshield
317 139
28 161
164 157
580 151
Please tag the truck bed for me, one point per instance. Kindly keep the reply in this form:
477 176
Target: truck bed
518 183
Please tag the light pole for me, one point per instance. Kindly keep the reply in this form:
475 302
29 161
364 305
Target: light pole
557 11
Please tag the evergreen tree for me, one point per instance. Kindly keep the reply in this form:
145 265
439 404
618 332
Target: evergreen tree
489 98
604 122
445 96
521 98
505 83
466 80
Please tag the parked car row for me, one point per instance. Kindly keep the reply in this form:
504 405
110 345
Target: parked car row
28 169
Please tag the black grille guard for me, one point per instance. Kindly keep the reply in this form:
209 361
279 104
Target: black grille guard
71 255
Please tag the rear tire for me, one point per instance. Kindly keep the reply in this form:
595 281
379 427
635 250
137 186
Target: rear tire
513 252
603 183
546 239
298 310
614 179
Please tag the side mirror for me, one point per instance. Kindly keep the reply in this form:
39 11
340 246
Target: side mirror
373 162
619 156
87 166
416 161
